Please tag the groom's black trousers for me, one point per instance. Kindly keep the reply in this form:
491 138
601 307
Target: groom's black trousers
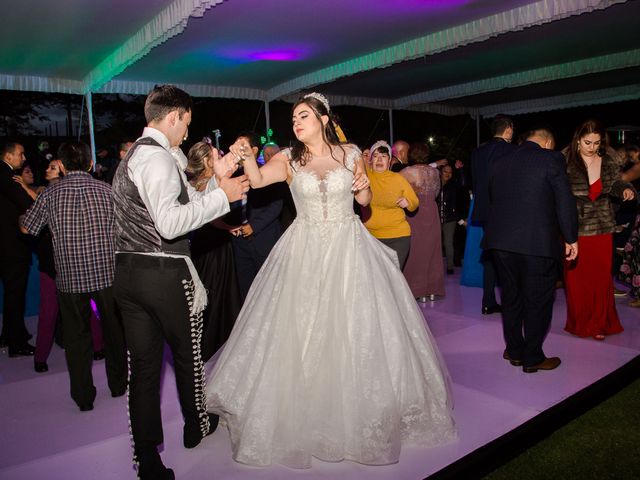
153 294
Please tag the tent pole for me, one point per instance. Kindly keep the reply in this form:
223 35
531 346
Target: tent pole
91 128
266 116
391 126
477 129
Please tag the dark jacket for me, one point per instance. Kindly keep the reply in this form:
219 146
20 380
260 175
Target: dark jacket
450 207
531 207
596 217
481 160
14 201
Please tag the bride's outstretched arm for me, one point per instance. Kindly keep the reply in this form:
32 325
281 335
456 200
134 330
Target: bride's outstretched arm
275 170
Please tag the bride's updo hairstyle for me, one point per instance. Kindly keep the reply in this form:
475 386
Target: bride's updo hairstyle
319 106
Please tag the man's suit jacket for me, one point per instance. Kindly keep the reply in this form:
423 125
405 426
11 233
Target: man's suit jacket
531 206
14 201
481 160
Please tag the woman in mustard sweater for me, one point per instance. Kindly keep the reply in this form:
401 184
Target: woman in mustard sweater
392 195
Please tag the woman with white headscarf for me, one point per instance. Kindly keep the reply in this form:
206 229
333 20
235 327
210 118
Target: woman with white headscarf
392 195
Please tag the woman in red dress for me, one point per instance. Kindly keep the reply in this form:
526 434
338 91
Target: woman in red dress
594 177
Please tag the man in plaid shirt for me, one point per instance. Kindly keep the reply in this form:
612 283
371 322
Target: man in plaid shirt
79 212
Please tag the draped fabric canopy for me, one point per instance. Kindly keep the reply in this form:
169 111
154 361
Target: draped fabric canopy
450 57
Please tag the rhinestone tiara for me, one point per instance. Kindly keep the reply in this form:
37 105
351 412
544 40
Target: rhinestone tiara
321 98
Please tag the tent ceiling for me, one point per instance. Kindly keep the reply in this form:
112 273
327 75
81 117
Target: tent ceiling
584 36
67 38
447 56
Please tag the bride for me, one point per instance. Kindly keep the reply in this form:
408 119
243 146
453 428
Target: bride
330 356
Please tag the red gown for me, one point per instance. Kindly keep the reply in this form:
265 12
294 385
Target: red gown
591 308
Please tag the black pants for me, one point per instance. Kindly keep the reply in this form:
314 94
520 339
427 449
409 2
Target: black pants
14 281
75 310
249 254
528 288
489 279
153 294
401 245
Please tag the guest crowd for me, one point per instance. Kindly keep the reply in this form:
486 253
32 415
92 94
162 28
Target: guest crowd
525 194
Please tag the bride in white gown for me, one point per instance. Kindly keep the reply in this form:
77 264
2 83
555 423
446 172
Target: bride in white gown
330 356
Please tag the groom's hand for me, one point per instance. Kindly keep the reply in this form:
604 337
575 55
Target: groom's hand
235 188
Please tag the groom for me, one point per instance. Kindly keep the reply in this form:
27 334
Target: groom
156 287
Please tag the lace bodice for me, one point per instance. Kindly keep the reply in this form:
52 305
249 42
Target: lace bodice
321 189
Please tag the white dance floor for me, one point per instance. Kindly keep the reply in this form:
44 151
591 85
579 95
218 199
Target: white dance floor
45 436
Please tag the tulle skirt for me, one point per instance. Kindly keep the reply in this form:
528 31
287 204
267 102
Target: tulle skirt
330 356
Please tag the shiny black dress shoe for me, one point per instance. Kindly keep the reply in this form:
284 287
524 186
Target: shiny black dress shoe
514 362
40 367
85 407
99 355
493 309
25 350
192 438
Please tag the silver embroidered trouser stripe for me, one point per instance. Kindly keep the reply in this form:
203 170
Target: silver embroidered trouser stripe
136 463
196 327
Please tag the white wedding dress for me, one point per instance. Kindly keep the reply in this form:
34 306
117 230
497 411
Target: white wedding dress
330 356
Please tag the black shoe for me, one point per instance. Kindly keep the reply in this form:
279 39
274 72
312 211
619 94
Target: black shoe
40 367
192 439
493 309
99 355
150 466
4 342
118 393
25 350
512 361
85 407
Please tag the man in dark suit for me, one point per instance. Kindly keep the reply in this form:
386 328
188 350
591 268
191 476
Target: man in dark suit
531 210
259 226
481 160
15 254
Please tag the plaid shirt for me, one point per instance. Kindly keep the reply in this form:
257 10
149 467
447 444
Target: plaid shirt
79 212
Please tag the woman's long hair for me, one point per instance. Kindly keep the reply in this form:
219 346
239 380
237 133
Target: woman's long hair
574 159
299 151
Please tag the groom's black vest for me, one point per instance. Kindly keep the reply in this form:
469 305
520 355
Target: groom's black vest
135 230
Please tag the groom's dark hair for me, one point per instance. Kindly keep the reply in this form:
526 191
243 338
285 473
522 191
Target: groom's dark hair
164 99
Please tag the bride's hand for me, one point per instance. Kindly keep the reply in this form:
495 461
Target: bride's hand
360 182
225 166
242 151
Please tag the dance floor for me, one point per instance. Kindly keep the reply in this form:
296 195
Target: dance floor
44 435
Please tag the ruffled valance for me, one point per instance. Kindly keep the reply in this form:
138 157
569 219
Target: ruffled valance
168 23
549 73
581 99
530 15
39 84
215 91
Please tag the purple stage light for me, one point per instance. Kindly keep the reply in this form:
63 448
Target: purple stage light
270 55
